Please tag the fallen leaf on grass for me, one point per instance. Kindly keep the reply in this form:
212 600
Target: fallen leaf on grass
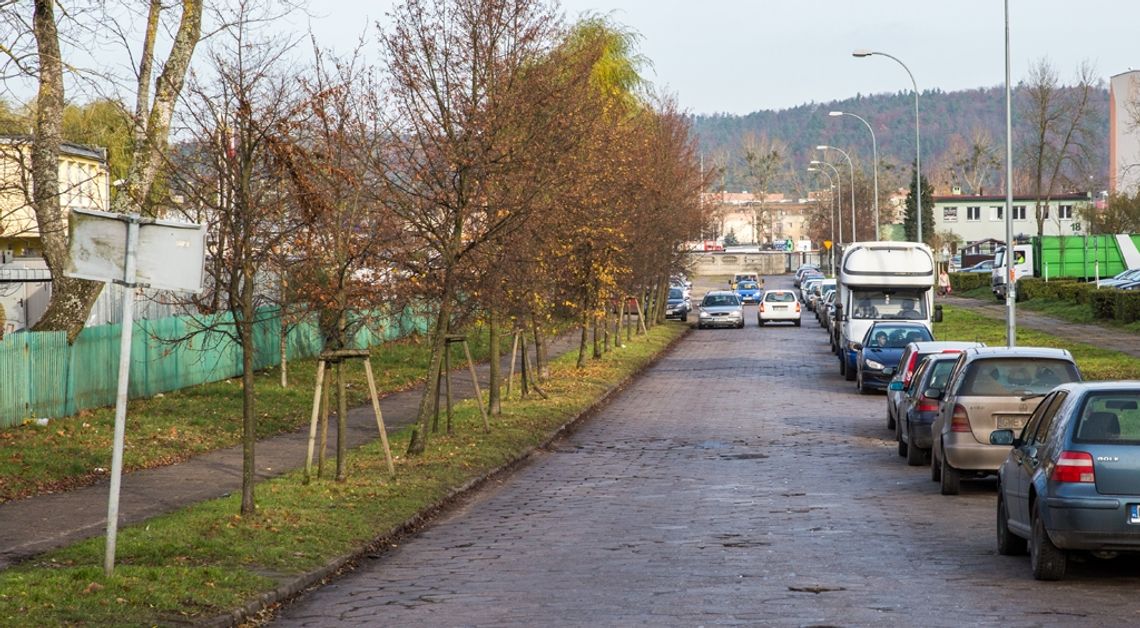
91 588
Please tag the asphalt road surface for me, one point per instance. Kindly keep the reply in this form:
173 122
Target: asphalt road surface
740 481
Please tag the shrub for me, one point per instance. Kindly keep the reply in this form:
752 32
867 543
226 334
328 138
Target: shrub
1103 303
1127 306
962 282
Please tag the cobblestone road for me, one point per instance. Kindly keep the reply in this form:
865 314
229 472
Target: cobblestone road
741 481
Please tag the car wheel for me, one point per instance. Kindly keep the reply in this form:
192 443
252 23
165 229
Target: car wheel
903 449
1047 560
915 456
849 372
685 317
890 417
842 366
797 322
759 321
700 325
950 478
1008 543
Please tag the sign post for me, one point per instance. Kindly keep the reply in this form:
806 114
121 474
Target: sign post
173 258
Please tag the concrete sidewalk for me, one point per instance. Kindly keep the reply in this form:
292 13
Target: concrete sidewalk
44 522
1098 335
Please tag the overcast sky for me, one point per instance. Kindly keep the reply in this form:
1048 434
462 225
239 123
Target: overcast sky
739 56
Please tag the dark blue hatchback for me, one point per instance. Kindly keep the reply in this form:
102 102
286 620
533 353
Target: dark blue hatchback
1070 483
877 357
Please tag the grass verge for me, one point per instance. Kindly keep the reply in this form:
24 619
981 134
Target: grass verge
166 429
1096 363
207 560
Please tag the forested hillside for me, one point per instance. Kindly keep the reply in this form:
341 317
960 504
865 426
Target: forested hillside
949 120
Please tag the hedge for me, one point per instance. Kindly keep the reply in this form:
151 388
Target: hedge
960 282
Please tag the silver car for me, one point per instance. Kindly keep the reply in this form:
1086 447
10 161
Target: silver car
990 388
721 308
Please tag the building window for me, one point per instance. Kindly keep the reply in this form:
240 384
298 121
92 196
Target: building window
1019 212
1045 212
1065 212
949 214
997 212
973 214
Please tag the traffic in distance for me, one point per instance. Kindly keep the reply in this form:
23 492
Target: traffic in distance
1065 453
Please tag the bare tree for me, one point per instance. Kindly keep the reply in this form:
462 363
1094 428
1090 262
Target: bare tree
1064 134
974 162
764 162
72 299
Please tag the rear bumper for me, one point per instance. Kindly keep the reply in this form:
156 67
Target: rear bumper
919 426
1091 523
965 453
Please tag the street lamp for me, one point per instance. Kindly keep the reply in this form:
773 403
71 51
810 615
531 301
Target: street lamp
850 166
874 158
839 195
834 243
863 52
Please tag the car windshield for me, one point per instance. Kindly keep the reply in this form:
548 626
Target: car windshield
1001 377
889 337
714 300
779 297
747 285
897 305
675 293
1110 417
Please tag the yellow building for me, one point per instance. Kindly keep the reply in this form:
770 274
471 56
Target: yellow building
84 182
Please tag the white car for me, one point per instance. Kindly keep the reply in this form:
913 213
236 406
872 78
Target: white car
778 305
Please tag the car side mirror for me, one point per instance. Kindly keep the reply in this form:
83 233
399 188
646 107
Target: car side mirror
1001 437
857 346
932 393
937 313
895 385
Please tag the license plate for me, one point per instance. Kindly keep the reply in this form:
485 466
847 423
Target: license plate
779 307
1010 422
1134 513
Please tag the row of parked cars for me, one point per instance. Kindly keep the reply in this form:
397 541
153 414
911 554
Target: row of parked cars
1066 453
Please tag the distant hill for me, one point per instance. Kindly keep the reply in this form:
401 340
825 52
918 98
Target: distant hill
942 115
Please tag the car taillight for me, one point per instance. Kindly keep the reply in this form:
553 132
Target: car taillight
797 307
1074 466
960 420
909 369
926 404
761 306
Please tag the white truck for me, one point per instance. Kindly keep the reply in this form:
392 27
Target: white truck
881 281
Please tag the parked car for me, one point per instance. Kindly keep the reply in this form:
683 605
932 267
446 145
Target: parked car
917 408
990 388
778 305
908 362
984 266
748 291
877 356
955 263
720 308
804 268
823 310
686 287
678 305
816 292
806 286
1122 279
1069 482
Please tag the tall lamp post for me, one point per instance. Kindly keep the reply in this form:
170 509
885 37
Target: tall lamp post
863 52
834 242
839 195
851 167
1010 285
874 161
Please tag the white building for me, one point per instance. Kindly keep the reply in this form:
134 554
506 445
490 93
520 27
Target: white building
1123 138
974 218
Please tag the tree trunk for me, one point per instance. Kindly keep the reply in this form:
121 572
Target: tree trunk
249 415
494 394
584 340
341 425
541 360
597 337
418 442
617 322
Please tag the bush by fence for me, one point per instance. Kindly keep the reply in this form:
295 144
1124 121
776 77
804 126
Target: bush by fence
1103 303
960 282
44 376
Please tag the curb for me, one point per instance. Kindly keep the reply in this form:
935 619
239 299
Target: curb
260 607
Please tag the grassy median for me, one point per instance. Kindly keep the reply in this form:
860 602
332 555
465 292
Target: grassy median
206 559
1097 363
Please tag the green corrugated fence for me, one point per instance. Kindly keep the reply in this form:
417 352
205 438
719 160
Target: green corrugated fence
42 376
